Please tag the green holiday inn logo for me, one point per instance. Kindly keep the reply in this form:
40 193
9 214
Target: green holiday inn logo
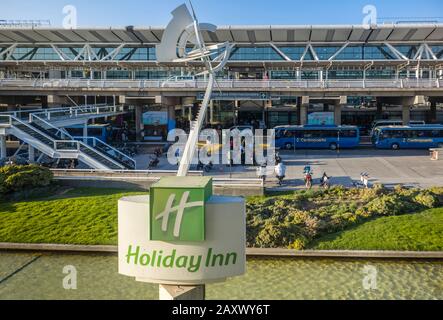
177 209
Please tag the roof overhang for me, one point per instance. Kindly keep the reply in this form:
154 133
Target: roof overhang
234 34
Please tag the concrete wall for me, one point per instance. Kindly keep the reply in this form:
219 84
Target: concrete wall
144 185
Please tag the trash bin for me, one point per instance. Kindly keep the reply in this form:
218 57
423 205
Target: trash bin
435 154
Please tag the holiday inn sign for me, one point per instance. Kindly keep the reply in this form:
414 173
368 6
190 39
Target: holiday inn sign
178 212
182 234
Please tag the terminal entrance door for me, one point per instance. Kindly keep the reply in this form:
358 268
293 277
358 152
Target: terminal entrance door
253 118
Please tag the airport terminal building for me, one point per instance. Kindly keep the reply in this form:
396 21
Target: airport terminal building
276 75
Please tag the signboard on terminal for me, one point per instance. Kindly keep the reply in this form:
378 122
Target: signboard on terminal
232 96
321 118
155 118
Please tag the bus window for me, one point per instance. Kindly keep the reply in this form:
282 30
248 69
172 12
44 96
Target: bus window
308 134
330 133
385 135
348 133
397 134
280 133
437 133
289 134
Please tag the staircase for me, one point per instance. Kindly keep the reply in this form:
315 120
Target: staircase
56 143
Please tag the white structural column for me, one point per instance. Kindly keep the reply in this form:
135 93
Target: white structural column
211 111
31 153
182 293
85 132
2 146
406 114
338 109
139 126
304 110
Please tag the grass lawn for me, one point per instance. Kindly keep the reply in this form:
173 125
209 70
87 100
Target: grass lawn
78 216
416 232
89 216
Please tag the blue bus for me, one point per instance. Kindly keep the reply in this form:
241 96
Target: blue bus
316 137
408 137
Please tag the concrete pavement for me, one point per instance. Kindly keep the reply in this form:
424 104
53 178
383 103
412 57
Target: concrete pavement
389 167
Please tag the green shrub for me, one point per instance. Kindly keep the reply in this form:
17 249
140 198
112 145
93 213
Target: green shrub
293 221
298 244
21 178
426 199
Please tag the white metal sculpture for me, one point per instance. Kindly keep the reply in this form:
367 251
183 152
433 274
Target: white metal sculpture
182 32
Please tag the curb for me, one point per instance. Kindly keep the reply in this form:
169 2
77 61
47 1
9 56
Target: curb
251 252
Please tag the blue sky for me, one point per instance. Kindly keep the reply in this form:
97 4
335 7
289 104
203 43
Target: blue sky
105 13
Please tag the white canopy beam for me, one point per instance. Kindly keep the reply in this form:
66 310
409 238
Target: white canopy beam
111 55
339 51
431 53
314 54
397 53
302 58
8 52
281 53
60 53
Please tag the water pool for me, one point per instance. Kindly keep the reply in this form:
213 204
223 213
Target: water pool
40 276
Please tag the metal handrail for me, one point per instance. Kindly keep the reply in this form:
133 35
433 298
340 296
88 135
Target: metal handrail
65 142
31 116
98 141
99 153
95 140
55 142
8 117
124 171
74 140
146 173
234 83
29 112
80 110
12 118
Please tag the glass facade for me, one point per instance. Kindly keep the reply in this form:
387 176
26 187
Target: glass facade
34 54
351 53
438 51
257 53
254 54
382 52
49 54
408 51
324 53
239 53
283 75
295 53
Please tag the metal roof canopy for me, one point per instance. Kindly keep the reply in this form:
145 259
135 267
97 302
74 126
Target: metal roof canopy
238 34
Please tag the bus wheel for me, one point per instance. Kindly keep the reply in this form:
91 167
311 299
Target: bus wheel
333 146
440 145
395 146
288 146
